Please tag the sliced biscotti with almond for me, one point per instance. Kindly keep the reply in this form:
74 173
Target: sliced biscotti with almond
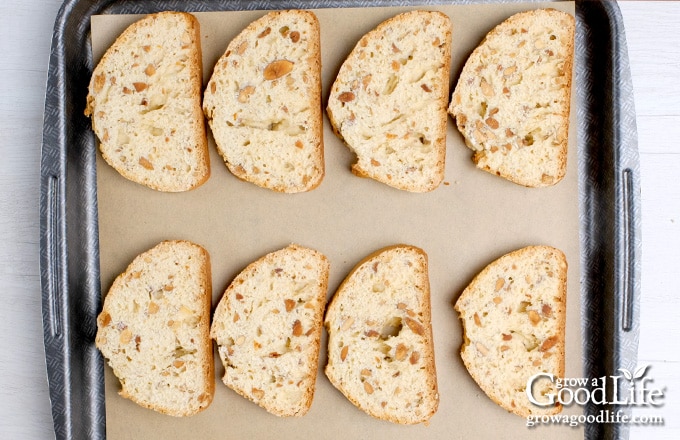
154 329
380 348
263 103
512 99
388 102
513 314
268 325
145 102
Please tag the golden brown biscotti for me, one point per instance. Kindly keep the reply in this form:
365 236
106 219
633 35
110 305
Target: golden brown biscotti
380 347
513 314
145 103
154 329
263 103
268 325
388 102
512 99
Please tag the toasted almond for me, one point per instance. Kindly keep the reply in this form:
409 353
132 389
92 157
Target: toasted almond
244 94
297 328
372 333
99 81
125 336
346 97
145 163
534 317
548 343
477 320
487 90
509 70
546 310
277 69
241 49
343 352
257 393
347 324
415 326
153 308
366 80
400 352
482 349
265 32
105 319
492 123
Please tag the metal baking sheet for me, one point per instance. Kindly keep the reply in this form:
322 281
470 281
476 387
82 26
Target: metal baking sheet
608 195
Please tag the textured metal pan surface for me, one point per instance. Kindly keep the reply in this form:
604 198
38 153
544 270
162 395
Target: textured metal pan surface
609 194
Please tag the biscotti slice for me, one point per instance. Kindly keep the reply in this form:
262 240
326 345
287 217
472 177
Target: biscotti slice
380 348
513 315
263 103
512 99
388 102
145 103
267 327
154 329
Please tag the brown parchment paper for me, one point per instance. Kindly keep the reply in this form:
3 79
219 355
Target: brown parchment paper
469 221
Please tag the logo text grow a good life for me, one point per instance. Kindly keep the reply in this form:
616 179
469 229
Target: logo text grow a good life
630 389
583 390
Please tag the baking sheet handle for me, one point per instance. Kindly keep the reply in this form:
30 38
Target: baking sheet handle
54 300
627 263
55 285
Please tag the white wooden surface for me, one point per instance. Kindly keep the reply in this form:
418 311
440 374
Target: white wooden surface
653 33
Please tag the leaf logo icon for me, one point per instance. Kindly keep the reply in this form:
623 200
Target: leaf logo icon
627 374
640 372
